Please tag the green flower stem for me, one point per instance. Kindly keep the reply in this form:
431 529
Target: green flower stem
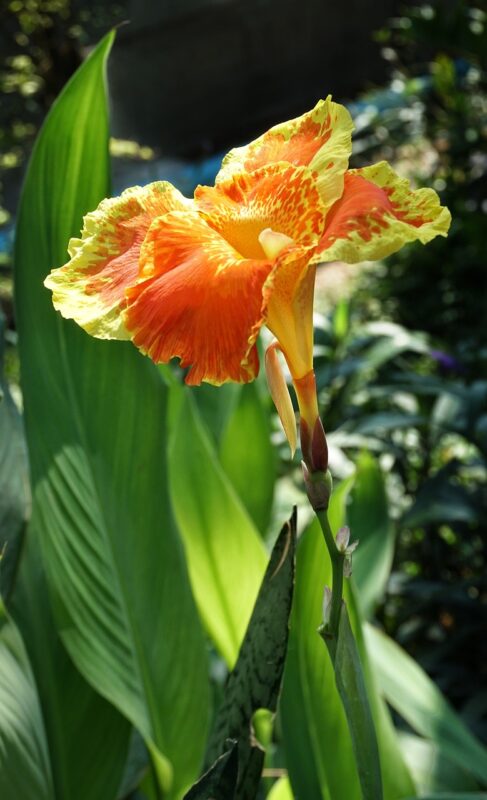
330 631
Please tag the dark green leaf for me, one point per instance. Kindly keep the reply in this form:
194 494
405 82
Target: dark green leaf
14 483
254 682
220 782
78 721
25 770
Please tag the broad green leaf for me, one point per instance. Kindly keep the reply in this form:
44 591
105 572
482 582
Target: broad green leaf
432 770
351 687
416 698
14 483
216 405
248 456
78 721
25 770
452 796
220 782
96 428
368 518
225 554
255 681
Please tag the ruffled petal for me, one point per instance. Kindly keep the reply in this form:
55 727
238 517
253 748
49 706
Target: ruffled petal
199 300
90 288
377 214
320 139
279 196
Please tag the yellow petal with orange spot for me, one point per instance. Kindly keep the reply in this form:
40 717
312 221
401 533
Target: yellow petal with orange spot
280 395
377 214
320 139
90 288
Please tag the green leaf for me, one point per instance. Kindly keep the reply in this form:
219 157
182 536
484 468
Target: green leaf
255 681
248 456
351 686
215 405
96 429
312 712
416 698
396 778
368 518
78 721
225 554
220 782
281 790
316 739
452 796
14 483
433 771
25 771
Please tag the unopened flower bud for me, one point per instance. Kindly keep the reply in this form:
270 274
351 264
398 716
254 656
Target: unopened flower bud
318 487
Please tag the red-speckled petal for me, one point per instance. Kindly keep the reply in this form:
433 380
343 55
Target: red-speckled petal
377 214
320 139
281 197
90 288
202 302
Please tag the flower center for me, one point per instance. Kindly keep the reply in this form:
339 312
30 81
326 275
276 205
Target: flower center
273 242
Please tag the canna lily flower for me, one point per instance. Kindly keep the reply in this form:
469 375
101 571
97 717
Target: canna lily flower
197 279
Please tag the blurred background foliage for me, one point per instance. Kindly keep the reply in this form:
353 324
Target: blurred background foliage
401 347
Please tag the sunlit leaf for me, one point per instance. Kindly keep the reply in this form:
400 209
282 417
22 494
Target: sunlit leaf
225 554
368 518
416 698
248 456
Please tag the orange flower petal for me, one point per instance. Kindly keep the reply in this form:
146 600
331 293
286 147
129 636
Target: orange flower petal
320 139
279 196
90 288
377 214
202 303
288 295
280 395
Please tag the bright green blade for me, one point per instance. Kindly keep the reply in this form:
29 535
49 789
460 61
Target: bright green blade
368 518
248 456
226 557
96 430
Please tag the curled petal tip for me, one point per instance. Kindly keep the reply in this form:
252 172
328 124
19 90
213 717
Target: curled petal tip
280 396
